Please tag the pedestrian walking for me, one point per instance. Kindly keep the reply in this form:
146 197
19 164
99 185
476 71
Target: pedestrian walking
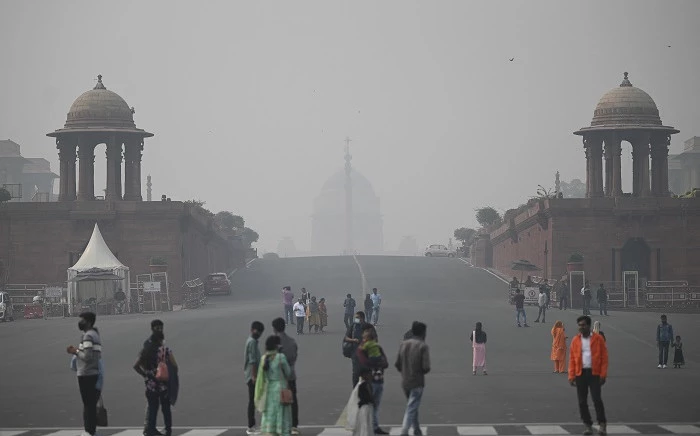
371 355
478 338
156 326
349 305
353 336
559 347
564 296
519 300
542 304
413 362
88 355
314 315
323 313
288 302
664 336
602 297
251 362
300 313
588 369
586 296
289 349
368 306
547 291
597 330
156 378
678 359
376 303
272 381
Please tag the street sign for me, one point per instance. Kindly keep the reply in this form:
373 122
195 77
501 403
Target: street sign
151 286
54 292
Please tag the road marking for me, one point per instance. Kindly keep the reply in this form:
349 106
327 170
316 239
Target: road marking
250 261
621 429
681 429
362 273
132 432
545 429
396 431
202 432
11 432
67 433
477 430
334 431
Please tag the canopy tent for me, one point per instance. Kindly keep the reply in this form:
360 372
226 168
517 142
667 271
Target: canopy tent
84 283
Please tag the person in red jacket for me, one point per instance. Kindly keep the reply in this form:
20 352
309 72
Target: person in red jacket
588 369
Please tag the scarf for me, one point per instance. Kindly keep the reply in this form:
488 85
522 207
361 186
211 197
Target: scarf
261 380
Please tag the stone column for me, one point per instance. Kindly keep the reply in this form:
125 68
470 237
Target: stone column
114 169
132 169
589 177
609 152
86 153
640 159
66 156
616 150
594 155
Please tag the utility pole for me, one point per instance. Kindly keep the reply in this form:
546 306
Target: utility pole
349 246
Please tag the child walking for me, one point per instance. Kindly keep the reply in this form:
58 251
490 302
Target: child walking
678 359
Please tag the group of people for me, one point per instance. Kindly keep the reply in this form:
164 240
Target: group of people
156 364
361 345
372 305
306 309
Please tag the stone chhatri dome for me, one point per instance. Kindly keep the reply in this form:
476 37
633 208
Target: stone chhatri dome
626 105
100 107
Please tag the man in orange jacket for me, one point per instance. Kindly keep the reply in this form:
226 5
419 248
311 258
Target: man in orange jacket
588 369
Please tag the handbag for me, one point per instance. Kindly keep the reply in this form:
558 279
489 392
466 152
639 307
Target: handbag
101 413
286 397
162 373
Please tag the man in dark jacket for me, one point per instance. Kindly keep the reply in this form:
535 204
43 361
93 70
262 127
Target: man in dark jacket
664 336
602 297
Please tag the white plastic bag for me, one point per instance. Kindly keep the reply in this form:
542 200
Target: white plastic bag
352 408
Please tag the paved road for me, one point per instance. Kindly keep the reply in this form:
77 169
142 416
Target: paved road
38 390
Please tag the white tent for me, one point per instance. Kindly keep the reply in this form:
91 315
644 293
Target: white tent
96 255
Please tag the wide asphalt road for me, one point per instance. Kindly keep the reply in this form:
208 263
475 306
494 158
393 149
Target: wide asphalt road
38 390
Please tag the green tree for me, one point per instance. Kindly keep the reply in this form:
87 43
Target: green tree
228 221
465 235
488 216
249 236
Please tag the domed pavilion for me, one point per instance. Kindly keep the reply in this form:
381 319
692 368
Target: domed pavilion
626 113
100 116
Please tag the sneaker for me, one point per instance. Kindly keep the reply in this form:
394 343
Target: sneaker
519 325
527 325
537 320
486 373
587 430
252 430
380 431
295 430
659 366
473 372
664 366
603 429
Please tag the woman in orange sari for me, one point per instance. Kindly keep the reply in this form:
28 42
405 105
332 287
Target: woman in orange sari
559 347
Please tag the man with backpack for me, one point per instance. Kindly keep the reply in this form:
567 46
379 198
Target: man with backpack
352 339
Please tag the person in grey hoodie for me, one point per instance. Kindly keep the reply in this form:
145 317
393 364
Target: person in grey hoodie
88 354
289 349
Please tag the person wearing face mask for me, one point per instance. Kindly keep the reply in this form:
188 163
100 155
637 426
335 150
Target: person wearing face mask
88 354
353 335
588 369
251 360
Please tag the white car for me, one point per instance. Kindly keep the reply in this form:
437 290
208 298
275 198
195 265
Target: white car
438 250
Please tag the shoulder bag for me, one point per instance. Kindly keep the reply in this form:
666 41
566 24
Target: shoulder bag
101 413
286 397
162 373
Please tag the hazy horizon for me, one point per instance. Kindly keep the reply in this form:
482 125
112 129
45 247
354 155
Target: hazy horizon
250 102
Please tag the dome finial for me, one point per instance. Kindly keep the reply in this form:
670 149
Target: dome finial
625 81
99 82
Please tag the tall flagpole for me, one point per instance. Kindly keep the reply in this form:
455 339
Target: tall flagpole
349 249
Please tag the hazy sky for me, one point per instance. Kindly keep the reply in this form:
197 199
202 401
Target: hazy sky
250 101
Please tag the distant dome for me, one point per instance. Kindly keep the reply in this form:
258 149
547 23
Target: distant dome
626 105
100 107
359 182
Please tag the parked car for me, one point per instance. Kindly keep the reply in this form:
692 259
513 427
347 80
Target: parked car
217 283
438 250
6 312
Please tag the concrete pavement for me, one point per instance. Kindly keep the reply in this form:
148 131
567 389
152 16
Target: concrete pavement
38 390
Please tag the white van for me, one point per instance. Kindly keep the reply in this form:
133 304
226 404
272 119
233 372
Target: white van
6 313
